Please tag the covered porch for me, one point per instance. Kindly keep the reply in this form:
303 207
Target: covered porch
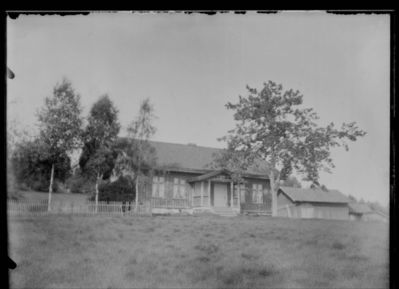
215 191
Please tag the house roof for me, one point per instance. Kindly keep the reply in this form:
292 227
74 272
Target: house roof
192 158
315 195
181 156
357 208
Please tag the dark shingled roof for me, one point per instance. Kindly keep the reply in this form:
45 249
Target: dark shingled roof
189 157
357 208
314 195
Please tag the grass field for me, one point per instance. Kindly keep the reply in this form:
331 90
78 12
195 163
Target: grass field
197 252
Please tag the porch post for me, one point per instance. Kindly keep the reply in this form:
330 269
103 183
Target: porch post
192 194
209 193
239 197
202 194
231 194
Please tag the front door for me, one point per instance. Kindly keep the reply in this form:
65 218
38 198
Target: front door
220 195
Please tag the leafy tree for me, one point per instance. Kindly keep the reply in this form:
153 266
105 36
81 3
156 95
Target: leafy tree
32 166
122 190
376 206
15 136
60 124
138 156
102 130
291 181
352 198
98 155
271 126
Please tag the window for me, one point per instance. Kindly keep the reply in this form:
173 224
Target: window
179 188
158 187
242 191
257 193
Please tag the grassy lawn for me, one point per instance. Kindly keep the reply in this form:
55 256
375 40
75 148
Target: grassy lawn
196 251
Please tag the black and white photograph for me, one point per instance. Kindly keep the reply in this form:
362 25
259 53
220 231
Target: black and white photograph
183 149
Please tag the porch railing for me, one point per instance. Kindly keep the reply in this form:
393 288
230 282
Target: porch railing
169 203
263 208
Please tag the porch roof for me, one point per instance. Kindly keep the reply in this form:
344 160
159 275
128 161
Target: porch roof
208 175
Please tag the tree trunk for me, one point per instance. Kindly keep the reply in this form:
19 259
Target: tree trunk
136 197
50 189
97 181
274 193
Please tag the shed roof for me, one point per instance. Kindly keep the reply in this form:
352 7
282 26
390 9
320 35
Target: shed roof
315 195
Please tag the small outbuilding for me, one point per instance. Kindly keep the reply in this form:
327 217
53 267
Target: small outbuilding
312 203
362 212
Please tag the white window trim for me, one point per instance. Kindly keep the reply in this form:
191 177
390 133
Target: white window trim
257 193
158 186
179 188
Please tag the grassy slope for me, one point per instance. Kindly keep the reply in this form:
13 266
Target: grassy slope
114 252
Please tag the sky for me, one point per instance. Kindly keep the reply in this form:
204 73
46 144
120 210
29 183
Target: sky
191 65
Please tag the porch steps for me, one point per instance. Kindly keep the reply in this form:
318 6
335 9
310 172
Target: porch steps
224 211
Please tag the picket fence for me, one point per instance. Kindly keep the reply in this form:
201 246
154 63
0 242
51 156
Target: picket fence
16 208
169 203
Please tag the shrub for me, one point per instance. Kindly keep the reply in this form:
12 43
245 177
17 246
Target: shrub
61 187
32 166
40 184
79 184
122 190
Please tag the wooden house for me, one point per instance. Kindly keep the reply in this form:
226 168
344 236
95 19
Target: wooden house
184 178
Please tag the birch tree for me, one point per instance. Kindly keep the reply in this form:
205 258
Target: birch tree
272 127
98 154
60 124
139 156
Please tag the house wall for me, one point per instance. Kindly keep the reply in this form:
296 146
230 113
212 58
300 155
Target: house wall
311 210
169 182
247 203
331 211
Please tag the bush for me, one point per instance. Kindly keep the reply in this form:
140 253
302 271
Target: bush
22 187
32 166
40 184
61 187
79 184
122 190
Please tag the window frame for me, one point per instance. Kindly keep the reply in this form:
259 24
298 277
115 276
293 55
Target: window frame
257 193
158 186
179 188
